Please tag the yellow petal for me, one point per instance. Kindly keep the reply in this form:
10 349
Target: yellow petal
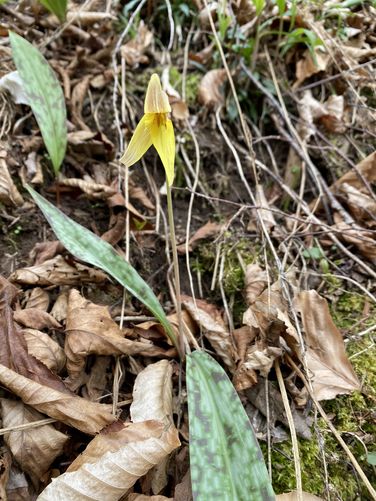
156 100
163 138
139 144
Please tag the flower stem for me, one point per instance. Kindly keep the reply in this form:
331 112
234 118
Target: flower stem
171 224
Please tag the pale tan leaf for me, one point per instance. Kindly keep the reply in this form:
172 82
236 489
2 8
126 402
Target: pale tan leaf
292 496
142 497
307 67
9 194
134 50
152 394
18 487
332 373
59 309
256 279
91 330
5 464
115 471
364 240
37 298
361 205
57 271
209 89
36 319
264 212
36 448
90 188
209 319
366 167
45 349
77 412
208 230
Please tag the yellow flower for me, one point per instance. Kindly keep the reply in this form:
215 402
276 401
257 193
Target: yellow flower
154 128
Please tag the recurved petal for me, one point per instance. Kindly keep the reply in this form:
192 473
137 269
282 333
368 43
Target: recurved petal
156 100
163 138
139 144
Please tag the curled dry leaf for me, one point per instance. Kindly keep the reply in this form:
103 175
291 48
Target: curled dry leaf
293 496
113 462
91 330
99 379
77 101
361 205
45 349
256 279
354 234
210 320
209 229
142 497
36 319
367 168
134 50
88 417
13 348
18 486
43 251
34 449
5 464
330 114
332 373
58 271
209 89
90 188
9 194
307 67
60 307
37 298
152 394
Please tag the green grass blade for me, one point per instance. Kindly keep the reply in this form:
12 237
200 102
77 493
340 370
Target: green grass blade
45 96
225 458
87 246
57 7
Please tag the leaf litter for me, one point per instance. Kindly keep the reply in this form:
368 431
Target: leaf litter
61 339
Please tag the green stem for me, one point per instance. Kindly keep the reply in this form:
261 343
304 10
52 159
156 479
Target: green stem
170 213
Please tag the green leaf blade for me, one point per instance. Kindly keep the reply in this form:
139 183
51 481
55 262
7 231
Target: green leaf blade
225 458
45 96
57 7
88 247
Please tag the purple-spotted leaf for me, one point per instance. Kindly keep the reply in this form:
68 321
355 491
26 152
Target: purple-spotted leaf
57 7
45 96
225 458
85 245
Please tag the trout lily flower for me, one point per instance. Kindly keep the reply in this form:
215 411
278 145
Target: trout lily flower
154 128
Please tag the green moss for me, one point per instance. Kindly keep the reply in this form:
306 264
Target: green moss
191 84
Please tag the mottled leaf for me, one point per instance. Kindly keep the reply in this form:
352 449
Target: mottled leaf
45 95
57 7
225 458
85 245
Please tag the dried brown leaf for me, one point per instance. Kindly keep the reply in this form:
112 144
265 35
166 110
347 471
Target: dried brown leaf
293 496
45 349
307 67
77 101
90 188
141 497
364 240
5 464
36 319
209 229
58 271
88 417
91 330
99 379
209 89
18 486
36 448
367 168
9 194
37 298
152 394
326 357
134 50
256 279
44 251
59 309
134 450
210 320
361 205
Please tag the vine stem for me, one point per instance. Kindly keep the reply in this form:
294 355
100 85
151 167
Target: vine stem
171 224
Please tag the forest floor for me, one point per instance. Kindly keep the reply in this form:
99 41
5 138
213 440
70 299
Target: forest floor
275 213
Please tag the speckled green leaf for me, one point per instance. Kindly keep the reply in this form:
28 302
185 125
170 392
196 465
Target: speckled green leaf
85 245
57 7
225 458
45 95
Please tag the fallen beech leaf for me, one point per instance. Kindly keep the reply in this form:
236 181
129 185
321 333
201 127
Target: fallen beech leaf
18 486
330 114
152 394
209 89
361 206
366 167
77 101
59 309
9 194
88 417
142 497
33 449
256 279
45 349
5 463
307 67
293 496
13 348
99 380
332 373
180 110
114 469
133 51
364 240
36 319
91 144
57 271
37 298
91 330
43 251
208 230
90 188
214 329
